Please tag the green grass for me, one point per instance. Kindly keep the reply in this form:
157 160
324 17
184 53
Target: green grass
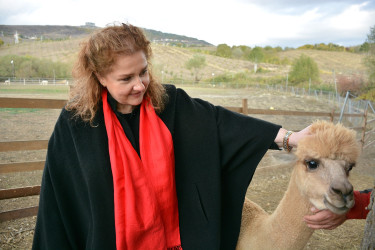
37 89
14 111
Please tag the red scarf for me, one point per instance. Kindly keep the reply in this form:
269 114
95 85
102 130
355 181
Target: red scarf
146 212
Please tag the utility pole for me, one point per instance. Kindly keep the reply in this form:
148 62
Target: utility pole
14 72
334 80
286 83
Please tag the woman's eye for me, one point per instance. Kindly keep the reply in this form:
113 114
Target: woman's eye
144 72
126 79
312 164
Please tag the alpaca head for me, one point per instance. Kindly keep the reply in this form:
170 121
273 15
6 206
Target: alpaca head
324 161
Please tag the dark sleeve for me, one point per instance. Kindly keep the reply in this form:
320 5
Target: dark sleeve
49 232
76 200
243 138
243 142
218 146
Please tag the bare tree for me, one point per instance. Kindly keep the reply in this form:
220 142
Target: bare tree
368 241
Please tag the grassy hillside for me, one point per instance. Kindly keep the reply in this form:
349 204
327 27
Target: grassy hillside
168 59
341 62
171 60
57 51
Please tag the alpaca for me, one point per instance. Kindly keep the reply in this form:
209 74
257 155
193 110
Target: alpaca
319 178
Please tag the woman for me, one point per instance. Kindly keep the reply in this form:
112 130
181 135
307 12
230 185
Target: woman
132 164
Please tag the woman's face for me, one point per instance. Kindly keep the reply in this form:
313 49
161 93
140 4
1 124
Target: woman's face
128 81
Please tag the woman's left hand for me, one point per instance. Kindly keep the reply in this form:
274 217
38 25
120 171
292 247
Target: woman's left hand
296 136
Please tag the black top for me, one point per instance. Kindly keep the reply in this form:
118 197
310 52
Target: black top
129 122
216 154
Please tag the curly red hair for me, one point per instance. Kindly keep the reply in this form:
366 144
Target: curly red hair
96 57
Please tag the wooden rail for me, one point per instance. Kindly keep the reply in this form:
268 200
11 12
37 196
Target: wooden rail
18 213
31 103
23 145
21 167
19 192
42 144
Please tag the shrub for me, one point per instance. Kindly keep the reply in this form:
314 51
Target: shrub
27 66
223 50
370 95
304 69
195 64
256 55
353 83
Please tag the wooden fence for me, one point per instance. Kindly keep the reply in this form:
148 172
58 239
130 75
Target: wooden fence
42 144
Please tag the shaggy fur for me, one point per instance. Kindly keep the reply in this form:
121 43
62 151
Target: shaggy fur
335 149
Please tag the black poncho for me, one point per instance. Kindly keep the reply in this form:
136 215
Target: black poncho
216 154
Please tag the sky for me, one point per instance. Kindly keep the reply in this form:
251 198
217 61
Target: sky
285 23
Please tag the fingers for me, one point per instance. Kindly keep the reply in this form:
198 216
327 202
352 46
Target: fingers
299 135
324 219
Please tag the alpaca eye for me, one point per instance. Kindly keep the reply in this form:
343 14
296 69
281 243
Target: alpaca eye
312 164
350 167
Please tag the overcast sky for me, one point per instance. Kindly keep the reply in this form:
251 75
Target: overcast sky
290 23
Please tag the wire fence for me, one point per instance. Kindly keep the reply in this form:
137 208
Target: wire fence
348 104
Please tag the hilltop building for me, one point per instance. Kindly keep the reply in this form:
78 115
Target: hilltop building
90 25
16 40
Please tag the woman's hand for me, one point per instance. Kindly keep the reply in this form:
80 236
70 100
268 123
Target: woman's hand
297 136
324 219
293 138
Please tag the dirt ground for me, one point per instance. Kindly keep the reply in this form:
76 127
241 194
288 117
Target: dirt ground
266 188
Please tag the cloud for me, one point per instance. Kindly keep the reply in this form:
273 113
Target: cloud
298 6
234 22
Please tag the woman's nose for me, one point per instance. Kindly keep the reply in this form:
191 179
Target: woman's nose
139 84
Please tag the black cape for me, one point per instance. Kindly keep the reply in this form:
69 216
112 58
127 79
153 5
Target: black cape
216 154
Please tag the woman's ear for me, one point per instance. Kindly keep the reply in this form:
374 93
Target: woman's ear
101 79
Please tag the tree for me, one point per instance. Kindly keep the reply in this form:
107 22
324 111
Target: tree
368 241
364 47
370 58
195 64
237 52
223 50
256 55
304 69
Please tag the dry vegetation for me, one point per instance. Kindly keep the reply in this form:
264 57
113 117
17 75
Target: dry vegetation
341 62
171 60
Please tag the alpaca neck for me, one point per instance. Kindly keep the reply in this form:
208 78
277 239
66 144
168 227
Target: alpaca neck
287 220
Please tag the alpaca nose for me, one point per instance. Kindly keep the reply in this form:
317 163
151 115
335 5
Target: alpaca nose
344 189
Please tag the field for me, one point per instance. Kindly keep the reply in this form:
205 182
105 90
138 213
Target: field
171 60
266 189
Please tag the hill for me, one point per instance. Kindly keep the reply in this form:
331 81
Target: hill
341 62
57 32
53 32
172 39
169 61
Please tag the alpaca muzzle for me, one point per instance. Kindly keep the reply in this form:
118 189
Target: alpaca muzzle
339 202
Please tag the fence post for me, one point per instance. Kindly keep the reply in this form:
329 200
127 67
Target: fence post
244 107
332 115
343 106
364 126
